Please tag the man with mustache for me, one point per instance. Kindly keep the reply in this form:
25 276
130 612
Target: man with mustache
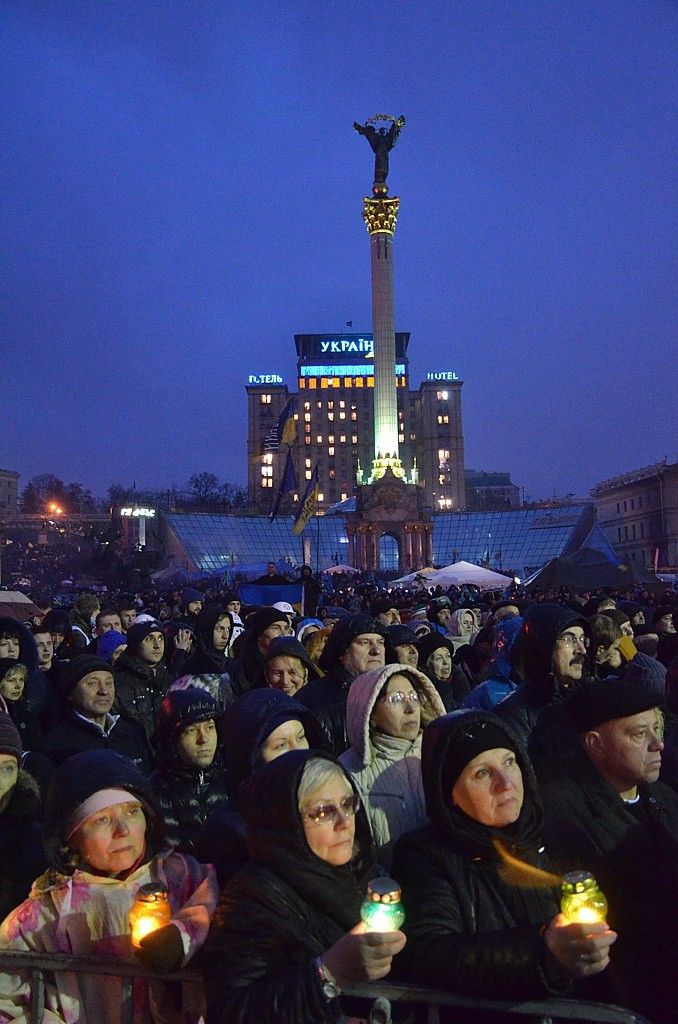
550 656
610 816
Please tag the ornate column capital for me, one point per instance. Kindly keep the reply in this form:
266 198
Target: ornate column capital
380 215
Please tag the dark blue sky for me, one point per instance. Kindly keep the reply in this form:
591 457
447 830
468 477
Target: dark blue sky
181 192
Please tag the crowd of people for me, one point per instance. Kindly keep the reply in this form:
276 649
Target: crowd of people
256 768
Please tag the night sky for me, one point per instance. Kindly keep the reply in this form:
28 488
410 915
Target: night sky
181 192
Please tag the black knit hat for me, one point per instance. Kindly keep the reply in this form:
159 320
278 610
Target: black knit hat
476 738
344 633
57 621
383 603
263 618
78 668
10 740
80 777
137 633
178 710
603 700
430 642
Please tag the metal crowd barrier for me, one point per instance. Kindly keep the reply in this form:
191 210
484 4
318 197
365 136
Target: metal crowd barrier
543 1011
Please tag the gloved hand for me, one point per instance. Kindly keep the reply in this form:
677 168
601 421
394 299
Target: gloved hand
162 951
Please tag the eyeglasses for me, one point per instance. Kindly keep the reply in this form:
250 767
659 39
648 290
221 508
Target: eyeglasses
326 814
401 698
572 640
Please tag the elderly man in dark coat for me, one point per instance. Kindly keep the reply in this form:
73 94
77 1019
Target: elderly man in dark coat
611 816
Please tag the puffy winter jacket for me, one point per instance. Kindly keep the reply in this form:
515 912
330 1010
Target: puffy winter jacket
468 930
139 690
386 769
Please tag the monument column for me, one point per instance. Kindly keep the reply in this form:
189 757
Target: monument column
380 216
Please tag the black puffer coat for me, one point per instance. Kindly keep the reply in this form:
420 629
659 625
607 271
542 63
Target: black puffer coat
188 794
537 709
139 690
283 909
21 853
467 930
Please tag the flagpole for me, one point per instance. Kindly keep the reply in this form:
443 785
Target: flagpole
317 546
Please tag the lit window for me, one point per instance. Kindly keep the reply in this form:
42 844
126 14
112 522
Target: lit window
309 472
307 440
324 382
354 438
330 417
358 382
312 383
348 382
319 438
370 382
307 417
296 497
330 438
330 450
342 438
342 404
307 428
267 470
330 405
354 416
267 459
307 405
442 477
266 482
342 415
321 497
344 495
265 399
308 463
302 382
336 383
401 438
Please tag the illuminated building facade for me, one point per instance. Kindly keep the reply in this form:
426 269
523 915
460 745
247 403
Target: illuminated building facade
335 413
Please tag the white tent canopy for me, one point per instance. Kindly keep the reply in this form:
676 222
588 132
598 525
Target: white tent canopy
419 578
461 574
339 568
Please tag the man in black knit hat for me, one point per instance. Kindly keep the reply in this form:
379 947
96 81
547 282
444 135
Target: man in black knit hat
355 645
609 815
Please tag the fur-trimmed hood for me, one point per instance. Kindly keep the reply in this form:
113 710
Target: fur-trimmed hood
362 697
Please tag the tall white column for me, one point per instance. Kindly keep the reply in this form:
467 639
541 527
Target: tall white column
380 216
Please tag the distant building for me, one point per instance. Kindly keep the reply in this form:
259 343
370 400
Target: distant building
638 512
9 490
521 540
490 491
335 423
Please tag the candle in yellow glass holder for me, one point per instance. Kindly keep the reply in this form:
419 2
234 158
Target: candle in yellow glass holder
581 899
150 911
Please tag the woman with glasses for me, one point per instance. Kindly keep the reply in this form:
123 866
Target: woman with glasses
471 928
286 938
386 711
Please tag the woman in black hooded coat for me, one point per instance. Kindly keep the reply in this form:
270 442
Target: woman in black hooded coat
468 929
244 729
282 943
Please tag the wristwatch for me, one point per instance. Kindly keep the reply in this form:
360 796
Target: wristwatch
330 988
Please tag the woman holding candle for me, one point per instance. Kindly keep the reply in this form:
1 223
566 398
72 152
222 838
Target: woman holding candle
470 927
104 838
287 936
